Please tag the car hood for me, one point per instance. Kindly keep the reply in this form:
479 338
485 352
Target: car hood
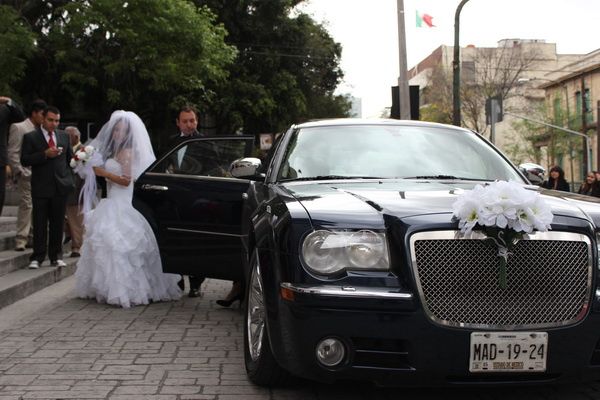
368 202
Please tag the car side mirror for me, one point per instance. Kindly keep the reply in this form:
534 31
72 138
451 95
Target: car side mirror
246 167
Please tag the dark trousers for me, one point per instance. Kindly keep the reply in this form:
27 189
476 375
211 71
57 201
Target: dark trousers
48 216
196 281
2 186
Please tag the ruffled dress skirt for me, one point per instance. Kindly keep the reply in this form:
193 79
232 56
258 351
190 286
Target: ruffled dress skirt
120 262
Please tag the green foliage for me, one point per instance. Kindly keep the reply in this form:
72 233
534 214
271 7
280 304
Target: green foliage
128 54
254 65
556 141
16 46
434 113
437 97
286 71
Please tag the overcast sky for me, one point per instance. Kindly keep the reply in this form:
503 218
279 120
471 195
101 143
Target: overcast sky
368 32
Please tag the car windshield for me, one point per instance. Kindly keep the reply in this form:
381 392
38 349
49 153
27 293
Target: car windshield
391 151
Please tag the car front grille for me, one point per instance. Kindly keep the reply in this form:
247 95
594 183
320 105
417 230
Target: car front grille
549 277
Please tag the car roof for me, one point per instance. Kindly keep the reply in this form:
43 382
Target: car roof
374 121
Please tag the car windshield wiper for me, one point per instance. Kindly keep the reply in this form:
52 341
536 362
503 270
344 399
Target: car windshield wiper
452 177
325 177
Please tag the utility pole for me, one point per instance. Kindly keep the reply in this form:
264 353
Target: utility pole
403 92
456 118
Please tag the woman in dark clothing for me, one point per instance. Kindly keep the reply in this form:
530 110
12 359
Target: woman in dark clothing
590 186
557 181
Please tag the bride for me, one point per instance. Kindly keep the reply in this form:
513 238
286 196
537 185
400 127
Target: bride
120 262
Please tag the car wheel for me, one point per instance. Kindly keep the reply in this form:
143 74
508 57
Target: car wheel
261 367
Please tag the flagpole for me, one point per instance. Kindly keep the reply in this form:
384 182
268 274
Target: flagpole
402 76
456 117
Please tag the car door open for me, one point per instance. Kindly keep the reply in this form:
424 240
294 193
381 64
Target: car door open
195 206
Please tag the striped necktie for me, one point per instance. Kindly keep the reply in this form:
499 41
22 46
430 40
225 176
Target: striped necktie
51 140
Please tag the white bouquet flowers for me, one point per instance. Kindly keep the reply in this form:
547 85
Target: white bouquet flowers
81 156
83 162
505 211
503 205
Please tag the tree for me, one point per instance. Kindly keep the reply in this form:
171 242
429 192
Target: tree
145 56
543 144
138 55
437 96
286 71
253 65
486 72
16 46
496 72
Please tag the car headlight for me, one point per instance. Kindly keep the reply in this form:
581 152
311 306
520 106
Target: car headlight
327 252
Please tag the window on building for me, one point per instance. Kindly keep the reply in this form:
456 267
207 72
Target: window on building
468 71
578 104
557 111
559 160
587 98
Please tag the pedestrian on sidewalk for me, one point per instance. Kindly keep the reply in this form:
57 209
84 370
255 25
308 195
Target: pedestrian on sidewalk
74 221
10 112
21 175
590 185
556 180
48 151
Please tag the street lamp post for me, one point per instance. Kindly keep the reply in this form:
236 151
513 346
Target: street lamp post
456 118
403 91
588 140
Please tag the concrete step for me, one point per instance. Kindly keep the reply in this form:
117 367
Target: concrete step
23 282
9 211
8 224
7 240
11 197
11 260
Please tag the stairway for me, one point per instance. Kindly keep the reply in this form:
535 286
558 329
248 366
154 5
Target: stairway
16 280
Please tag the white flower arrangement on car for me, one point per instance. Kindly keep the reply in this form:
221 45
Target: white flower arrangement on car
505 211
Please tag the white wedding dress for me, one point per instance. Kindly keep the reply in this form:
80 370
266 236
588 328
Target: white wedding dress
120 263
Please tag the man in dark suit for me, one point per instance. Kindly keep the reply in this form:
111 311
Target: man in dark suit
10 113
48 152
187 123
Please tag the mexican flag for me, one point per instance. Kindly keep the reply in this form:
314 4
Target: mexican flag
424 20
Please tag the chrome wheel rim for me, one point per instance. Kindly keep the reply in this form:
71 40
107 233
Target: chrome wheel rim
255 319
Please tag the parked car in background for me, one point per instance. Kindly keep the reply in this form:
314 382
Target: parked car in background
534 172
355 268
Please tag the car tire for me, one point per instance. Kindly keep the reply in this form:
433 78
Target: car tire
261 367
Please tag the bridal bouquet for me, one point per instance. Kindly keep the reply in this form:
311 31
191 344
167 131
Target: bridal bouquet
505 211
81 156
83 162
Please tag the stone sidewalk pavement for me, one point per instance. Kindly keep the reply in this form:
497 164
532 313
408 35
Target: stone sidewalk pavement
55 346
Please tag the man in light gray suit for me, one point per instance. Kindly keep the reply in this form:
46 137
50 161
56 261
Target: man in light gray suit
10 112
22 174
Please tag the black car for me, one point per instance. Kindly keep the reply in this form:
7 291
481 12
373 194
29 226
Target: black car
355 268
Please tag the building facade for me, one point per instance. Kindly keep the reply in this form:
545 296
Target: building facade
514 71
572 95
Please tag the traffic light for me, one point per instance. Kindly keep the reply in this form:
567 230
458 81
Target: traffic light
495 104
414 102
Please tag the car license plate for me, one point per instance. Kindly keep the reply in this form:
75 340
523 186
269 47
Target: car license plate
508 351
